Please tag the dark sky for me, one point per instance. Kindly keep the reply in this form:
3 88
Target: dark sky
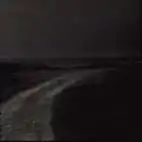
73 28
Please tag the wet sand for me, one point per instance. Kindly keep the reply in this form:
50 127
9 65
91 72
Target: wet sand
27 115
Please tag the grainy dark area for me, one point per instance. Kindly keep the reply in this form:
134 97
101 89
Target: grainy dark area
42 39
99 110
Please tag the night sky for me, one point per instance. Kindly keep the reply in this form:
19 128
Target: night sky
69 28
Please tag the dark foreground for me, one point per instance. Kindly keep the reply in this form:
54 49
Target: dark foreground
27 115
